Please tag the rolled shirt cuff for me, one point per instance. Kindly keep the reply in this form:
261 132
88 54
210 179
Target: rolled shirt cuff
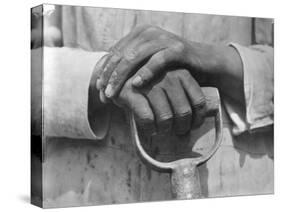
258 83
65 94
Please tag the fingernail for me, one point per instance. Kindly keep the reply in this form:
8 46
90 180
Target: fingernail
102 97
98 84
137 81
108 91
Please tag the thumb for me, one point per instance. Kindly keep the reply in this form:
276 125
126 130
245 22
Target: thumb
143 76
155 65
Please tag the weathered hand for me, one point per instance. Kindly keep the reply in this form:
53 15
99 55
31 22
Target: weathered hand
173 102
146 50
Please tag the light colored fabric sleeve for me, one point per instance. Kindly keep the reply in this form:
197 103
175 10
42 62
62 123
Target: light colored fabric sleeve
258 73
65 84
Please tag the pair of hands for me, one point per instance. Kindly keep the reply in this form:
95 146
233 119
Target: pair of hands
146 72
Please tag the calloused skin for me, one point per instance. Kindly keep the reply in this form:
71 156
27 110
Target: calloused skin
164 105
148 52
174 102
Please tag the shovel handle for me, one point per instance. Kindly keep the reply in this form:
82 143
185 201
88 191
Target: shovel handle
184 175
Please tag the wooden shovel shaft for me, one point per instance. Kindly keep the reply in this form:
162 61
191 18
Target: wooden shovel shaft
185 182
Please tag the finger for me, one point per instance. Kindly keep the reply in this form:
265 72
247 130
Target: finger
128 66
111 63
153 67
163 113
196 97
180 106
116 55
103 98
99 67
139 105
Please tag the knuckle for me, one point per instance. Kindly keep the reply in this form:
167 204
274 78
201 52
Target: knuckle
150 28
170 75
183 112
186 74
113 78
115 84
130 55
146 120
200 104
166 117
159 58
183 72
165 124
183 75
115 58
143 26
178 46
114 50
146 74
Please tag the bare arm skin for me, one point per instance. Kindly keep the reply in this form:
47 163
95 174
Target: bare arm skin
220 66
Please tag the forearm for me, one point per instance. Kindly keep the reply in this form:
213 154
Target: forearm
220 66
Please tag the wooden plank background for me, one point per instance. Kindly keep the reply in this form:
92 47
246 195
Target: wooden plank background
97 29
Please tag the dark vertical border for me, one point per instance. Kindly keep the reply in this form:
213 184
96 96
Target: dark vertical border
36 137
272 33
253 31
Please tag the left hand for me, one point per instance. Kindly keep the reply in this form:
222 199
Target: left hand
153 46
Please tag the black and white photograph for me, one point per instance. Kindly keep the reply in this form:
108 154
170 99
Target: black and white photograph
131 105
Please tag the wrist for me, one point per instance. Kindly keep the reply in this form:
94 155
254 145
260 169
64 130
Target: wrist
204 62
211 63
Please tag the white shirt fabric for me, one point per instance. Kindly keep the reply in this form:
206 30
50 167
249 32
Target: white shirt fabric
258 73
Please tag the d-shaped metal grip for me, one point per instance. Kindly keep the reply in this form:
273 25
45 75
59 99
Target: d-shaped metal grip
184 174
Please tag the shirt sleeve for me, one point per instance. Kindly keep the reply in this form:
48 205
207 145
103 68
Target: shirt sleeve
258 73
65 79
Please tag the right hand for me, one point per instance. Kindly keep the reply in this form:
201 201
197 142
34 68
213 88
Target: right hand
175 102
